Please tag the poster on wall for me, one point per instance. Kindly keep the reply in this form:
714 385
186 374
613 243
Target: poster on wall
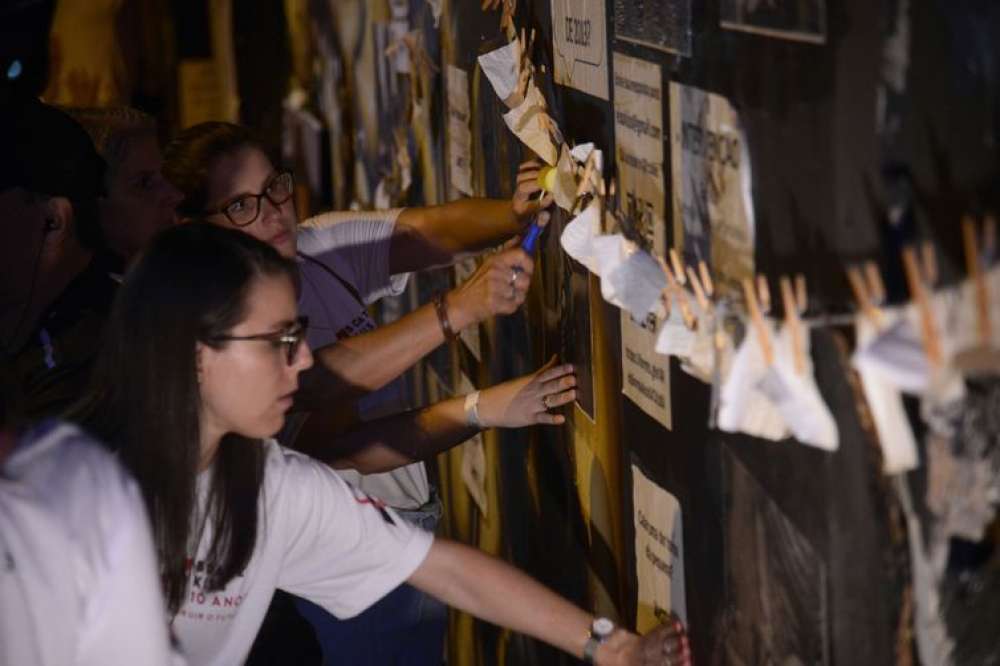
459 144
659 553
798 20
639 156
658 24
712 186
580 45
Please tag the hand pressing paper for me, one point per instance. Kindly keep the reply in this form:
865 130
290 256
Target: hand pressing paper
578 236
630 278
796 396
532 125
743 407
885 402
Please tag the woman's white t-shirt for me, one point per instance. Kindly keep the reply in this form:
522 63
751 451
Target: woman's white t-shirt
78 572
317 538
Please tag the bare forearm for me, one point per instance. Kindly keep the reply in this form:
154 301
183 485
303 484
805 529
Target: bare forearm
367 362
494 591
438 235
393 441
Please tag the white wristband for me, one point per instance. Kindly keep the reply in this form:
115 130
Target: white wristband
472 410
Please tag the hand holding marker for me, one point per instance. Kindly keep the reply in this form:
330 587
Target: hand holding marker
547 181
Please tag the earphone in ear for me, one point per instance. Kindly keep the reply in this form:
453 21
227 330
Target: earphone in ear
50 225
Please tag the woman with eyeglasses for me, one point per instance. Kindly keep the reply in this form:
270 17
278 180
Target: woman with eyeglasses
347 261
203 357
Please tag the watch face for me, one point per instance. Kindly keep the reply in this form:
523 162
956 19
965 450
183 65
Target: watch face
602 627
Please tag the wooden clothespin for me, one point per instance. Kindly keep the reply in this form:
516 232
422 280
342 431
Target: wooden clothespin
973 263
757 319
699 291
763 293
675 261
678 293
915 275
793 323
863 297
706 278
801 293
585 186
876 288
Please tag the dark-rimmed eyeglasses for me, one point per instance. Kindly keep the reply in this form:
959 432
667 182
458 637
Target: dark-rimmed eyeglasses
246 208
291 338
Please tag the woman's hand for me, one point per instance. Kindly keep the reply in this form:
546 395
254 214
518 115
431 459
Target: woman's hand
528 400
667 645
525 201
498 287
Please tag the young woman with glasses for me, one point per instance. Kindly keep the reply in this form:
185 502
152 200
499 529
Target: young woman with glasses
203 357
346 262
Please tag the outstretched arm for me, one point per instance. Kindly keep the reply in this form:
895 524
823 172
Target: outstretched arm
439 235
369 361
494 591
394 441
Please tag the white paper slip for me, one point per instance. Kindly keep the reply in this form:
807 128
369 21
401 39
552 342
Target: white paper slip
796 396
743 407
501 68
675 338
634 281
885 403
578 236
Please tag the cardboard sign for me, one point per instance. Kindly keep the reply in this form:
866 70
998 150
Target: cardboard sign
580 45
659 552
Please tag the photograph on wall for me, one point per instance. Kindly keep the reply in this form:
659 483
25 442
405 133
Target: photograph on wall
659 24
799 20
713 218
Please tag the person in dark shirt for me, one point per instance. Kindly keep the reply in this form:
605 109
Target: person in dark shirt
54 294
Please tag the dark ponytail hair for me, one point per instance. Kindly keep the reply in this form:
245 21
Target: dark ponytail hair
188 159
144 399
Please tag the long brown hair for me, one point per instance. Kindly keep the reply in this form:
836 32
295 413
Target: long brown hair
190 286
188 159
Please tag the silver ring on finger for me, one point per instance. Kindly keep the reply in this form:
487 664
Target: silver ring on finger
513 276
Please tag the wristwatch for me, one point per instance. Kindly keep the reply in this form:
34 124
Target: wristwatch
600 631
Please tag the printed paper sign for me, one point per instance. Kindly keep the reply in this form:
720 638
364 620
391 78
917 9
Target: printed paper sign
459 136
580 45
712 199
639 155
659 552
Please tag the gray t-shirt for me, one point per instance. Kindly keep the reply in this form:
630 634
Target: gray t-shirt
346 267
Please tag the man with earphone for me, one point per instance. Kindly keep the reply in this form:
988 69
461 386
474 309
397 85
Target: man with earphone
54 296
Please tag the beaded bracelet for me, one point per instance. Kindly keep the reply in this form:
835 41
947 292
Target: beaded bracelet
441 308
